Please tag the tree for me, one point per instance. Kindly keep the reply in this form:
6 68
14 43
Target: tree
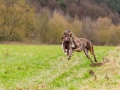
16 18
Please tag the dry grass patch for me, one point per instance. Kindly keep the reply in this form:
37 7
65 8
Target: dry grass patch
108 75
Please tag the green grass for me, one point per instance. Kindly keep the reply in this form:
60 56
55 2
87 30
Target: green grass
37 67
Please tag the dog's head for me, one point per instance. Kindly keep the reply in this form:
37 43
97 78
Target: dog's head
66 39
67 33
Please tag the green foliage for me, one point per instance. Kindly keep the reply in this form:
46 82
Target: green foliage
98 1
114 4
39 0
61 3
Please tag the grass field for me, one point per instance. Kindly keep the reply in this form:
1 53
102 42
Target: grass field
45 67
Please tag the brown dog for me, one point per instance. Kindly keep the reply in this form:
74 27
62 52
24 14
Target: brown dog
79 45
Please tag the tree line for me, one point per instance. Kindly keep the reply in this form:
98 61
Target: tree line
20 21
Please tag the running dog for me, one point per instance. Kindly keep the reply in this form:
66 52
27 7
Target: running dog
79 45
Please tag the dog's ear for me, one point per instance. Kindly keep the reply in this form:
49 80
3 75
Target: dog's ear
69 31
71 34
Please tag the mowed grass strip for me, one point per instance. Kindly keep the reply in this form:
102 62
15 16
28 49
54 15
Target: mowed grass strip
45 67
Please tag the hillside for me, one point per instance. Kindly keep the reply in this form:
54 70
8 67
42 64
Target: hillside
44 21
84 8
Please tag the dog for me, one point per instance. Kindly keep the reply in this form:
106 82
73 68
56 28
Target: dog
80 44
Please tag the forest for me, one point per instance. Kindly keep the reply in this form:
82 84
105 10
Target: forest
44 21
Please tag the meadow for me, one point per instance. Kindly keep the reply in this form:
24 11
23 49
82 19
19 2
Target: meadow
45 67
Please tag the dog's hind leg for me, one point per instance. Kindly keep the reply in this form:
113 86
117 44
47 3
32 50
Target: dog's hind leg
86 53
92 52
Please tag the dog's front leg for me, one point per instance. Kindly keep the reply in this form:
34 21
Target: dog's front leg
70 52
